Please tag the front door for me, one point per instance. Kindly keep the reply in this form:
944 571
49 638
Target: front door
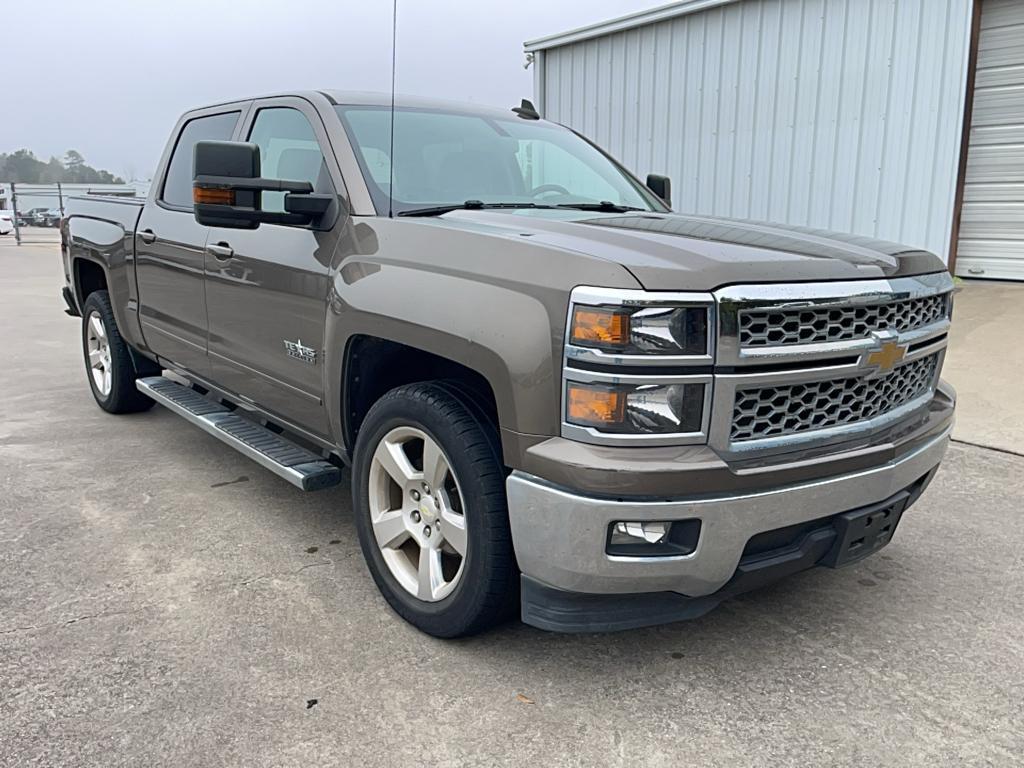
267 288
170 252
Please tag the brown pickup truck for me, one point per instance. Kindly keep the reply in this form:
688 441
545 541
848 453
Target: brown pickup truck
556 396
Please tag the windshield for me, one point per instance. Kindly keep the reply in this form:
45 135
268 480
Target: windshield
446 158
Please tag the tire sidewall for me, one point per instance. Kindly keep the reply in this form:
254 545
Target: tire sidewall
123 396
452 611
95 307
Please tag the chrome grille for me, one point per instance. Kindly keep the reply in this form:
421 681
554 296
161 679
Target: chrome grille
763 327
772 411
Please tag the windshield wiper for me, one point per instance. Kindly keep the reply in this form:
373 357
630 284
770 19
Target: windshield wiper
604 205
469 205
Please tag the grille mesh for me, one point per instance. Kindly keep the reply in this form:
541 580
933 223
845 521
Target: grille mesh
771 327
761 412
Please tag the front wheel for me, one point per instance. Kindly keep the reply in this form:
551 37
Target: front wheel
108 360
428 490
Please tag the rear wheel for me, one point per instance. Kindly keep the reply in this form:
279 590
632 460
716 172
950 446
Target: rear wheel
429 494
108 361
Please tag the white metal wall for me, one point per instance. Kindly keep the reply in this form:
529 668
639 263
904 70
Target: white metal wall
992 217
837 114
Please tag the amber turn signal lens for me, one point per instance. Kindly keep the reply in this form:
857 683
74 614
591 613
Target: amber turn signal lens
600 327
213 196
595 406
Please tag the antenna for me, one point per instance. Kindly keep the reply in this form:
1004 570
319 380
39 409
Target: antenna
391 159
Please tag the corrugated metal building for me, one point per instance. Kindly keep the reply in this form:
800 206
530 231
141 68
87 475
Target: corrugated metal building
851 115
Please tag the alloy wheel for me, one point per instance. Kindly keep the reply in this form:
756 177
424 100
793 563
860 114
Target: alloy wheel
98 349
417 513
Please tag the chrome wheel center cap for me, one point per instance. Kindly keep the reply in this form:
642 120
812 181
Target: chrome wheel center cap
427 513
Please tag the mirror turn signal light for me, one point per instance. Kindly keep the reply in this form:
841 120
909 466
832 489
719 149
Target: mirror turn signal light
600 327
595 406
213 196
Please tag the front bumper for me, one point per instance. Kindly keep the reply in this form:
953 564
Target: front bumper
560 536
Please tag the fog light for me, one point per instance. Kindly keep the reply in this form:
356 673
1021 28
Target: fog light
639 533
657 538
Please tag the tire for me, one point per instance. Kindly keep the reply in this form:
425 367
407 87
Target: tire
114 389
484 590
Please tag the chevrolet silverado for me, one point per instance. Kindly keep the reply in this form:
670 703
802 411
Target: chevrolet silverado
556 396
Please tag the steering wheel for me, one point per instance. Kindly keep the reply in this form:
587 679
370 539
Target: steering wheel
545 188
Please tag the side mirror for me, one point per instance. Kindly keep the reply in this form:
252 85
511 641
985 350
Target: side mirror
661 186
227 187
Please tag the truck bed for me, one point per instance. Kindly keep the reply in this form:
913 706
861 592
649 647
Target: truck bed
119 210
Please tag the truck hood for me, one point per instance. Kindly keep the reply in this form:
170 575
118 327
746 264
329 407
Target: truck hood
683 252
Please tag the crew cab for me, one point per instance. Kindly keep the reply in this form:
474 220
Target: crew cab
556 397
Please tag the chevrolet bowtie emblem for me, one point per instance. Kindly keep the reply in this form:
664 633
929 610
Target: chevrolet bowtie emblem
885 358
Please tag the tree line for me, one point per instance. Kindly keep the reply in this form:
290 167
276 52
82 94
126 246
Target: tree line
24 167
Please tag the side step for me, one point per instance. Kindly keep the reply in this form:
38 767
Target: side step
300 467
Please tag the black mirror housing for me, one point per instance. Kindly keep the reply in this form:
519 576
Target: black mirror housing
661 186
227 189
224 204
226 158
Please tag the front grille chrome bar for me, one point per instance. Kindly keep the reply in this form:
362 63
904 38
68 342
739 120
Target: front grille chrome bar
791 298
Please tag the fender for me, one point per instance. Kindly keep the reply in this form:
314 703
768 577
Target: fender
110 245
494 305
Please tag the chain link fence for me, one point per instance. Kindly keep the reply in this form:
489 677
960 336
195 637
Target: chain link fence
37 209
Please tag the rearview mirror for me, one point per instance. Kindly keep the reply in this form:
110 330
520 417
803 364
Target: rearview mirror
227 187
661 186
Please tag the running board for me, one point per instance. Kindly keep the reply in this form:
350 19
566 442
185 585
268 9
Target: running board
300 467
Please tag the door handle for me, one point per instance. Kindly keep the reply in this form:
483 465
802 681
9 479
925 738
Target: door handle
147 236
221 252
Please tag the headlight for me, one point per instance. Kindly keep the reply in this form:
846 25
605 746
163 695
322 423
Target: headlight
637 368
640 409
641 330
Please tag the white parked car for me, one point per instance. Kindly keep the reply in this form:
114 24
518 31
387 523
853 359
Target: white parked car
6 222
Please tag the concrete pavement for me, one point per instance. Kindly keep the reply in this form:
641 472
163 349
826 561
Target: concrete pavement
164 601
985 363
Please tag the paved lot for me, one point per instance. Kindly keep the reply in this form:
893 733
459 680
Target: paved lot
163 601
987 372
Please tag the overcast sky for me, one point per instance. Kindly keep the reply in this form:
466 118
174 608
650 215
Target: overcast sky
109 78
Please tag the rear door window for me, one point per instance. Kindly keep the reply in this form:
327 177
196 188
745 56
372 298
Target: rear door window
177 189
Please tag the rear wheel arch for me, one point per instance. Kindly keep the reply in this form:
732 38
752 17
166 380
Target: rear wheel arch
89 277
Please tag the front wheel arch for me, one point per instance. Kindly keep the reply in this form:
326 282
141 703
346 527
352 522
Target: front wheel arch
373 366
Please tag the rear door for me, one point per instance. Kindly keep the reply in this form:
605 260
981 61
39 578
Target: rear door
267 288
170 248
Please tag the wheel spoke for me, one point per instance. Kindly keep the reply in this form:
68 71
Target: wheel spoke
435 466
97 327
95 357
390 530
429 577
454 529
394 461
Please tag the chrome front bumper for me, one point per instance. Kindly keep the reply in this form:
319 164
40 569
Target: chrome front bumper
560 537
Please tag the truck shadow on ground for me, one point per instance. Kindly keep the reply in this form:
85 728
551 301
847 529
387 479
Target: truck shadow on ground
780 624
811 620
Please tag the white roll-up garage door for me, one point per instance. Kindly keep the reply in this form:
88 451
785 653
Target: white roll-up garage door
992 218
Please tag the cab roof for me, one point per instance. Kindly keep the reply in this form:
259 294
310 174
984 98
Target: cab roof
378 99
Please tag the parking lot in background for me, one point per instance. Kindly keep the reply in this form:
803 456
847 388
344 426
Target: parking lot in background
164 600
